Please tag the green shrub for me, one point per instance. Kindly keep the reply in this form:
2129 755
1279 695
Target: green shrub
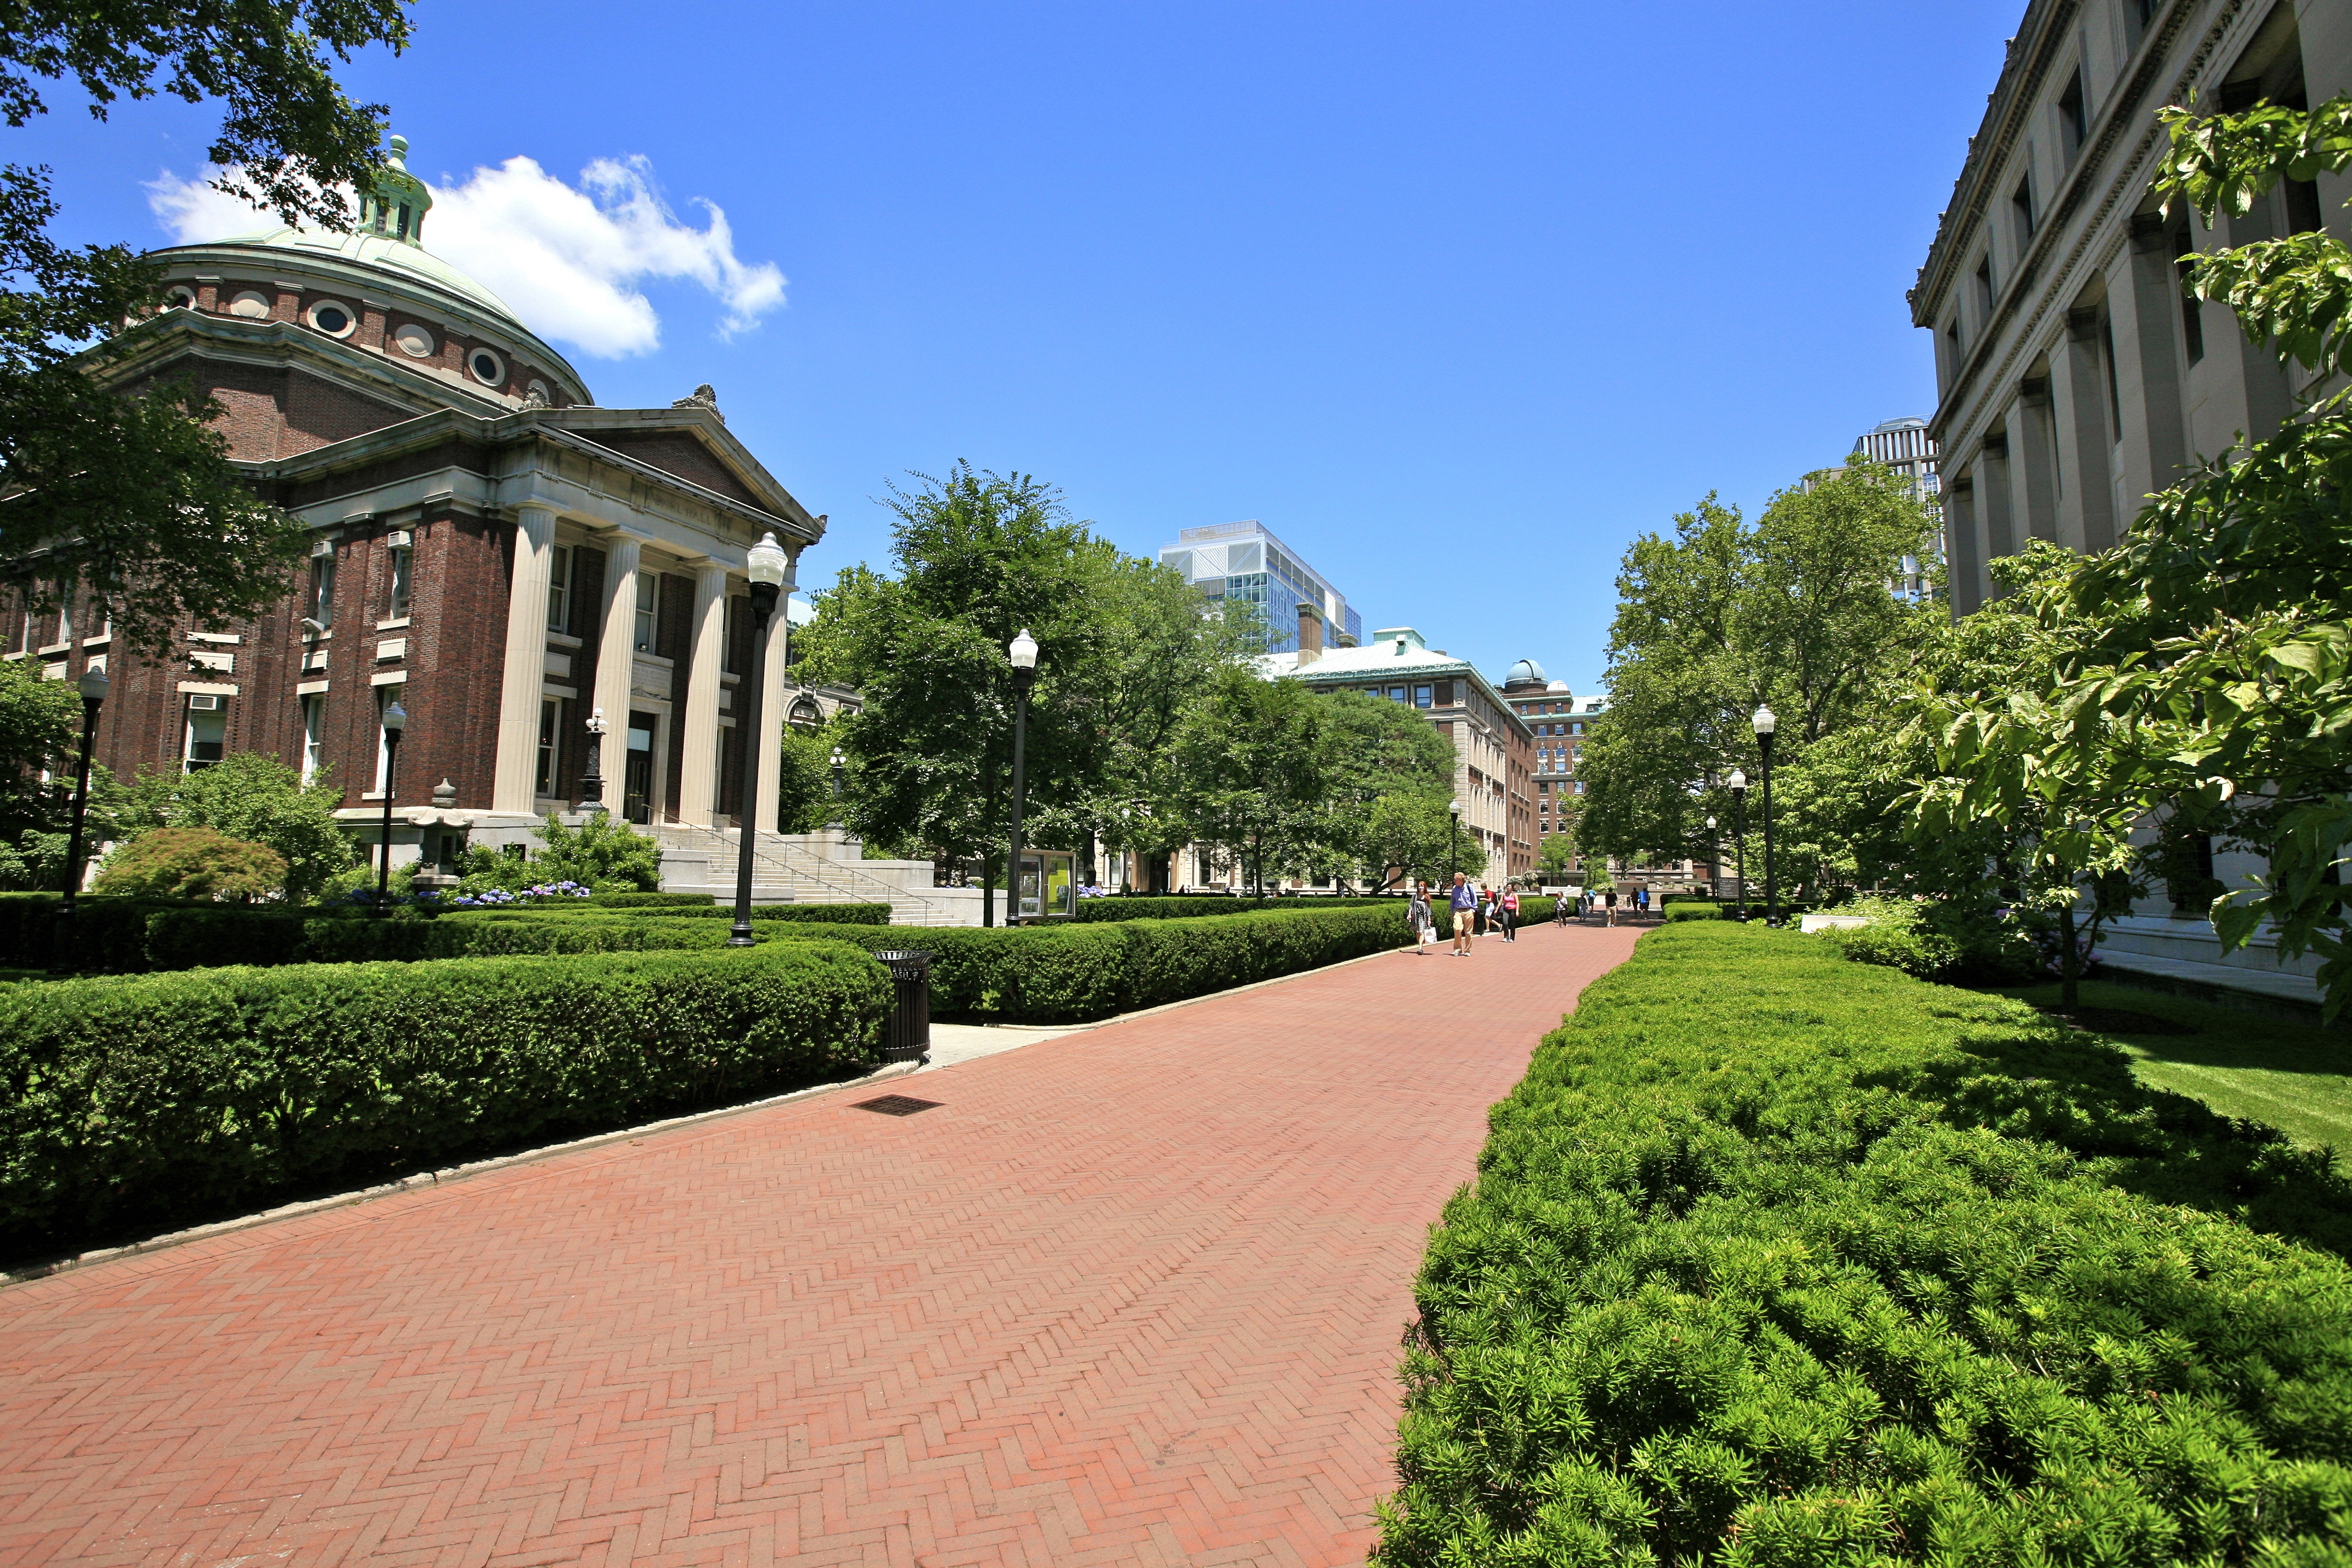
166 1099
191 863
1692 909
1778 1260
254 797
110 934
819 914
194 939
1935 941
644 900
1072 972
1192 906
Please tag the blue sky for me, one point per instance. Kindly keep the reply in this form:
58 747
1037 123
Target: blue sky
1455 299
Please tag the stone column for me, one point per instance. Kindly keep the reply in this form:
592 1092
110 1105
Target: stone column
2088 390
697 732
616 658
760 812
520 692
2031 432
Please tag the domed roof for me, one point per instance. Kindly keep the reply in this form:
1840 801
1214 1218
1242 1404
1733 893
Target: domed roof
1525 670
379 253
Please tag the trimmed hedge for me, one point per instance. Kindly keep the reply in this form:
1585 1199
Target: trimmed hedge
204 938
1839 1267
1192 906
637 901
108 934
816 914
150 1101
1068 973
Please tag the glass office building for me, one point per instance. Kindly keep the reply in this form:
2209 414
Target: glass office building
1245 561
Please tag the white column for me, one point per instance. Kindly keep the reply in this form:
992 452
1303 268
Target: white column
770 739
520 692
697 732
616 658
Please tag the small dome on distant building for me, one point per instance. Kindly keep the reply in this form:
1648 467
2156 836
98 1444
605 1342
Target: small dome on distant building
1526 673
1559 686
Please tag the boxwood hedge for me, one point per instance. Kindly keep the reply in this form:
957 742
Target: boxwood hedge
807 914
1067 973
1778 1260
1191 906
144 1100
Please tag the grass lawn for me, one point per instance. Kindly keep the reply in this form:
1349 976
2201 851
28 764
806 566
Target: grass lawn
2297 1078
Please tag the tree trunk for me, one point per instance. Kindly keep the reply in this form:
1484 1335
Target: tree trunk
2068 964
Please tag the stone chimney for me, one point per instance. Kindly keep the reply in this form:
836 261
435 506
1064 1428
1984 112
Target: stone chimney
1310 633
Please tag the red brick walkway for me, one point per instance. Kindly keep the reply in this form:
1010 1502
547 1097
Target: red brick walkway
1131 1296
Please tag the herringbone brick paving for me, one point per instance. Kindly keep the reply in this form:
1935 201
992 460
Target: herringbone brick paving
1131 1296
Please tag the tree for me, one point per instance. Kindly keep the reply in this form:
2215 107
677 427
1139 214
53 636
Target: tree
253 797
133 497
1794 612
40 741
1251 757
1373 752
1411 836
981 556
192 863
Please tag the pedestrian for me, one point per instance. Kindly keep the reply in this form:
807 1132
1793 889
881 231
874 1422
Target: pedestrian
1609 908
1510 901
1642 902
1478 913
1464 899
1417 915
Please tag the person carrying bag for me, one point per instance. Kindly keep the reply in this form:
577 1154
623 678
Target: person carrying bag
1418 916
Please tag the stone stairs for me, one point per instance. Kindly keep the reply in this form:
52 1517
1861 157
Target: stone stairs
805 868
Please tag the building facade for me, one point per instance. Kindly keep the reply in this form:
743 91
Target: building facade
1243 562
1494 748
2075 375
488 549
1557 718
1907 447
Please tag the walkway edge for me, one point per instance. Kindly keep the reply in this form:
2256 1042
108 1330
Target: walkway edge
27 1273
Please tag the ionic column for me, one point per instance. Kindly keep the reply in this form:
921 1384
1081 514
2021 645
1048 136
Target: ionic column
697 732
524 685
616 658
760 811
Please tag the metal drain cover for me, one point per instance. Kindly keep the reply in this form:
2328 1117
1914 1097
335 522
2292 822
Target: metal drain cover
897 1105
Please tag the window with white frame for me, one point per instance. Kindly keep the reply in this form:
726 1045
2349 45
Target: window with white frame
559 588
314 735
404 561
648 610
65 609
322 588
206 730
551 742
385 696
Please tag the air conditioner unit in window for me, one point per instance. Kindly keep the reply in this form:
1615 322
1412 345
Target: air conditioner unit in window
323 547
203 701
398 539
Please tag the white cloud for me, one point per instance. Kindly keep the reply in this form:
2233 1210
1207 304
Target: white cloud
569 260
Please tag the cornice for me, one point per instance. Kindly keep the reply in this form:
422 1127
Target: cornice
274 344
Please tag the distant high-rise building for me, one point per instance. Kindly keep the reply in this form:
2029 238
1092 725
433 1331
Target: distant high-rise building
1244 562
1905 446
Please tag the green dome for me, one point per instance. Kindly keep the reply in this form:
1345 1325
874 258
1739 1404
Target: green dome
378 254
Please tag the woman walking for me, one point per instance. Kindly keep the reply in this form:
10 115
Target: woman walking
1417 915
1509 900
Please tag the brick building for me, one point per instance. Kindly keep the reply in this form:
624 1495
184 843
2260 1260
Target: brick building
1558 718
488 546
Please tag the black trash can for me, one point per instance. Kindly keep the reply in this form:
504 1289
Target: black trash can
906 1037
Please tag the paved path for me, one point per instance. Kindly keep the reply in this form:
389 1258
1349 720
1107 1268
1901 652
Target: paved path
1131 1296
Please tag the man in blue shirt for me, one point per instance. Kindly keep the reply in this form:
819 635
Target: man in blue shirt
1463 903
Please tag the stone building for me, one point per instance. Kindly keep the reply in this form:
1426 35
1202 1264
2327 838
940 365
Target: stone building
1558 718
487 547
2075 375
1493 747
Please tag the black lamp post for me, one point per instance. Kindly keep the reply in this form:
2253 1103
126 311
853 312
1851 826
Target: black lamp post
1714 855
767 566
92 686
1023 653
592 783
1738 784
1765 724
837 760
395 719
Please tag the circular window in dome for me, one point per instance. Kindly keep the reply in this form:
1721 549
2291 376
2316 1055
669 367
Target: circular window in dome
333 318
180 299
413 340
488 368
252 305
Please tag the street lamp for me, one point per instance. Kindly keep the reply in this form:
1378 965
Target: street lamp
837 760
395 719
1713 852
1765 724
768 567
1738 785
592 784
92 686
1023 653
1454 843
